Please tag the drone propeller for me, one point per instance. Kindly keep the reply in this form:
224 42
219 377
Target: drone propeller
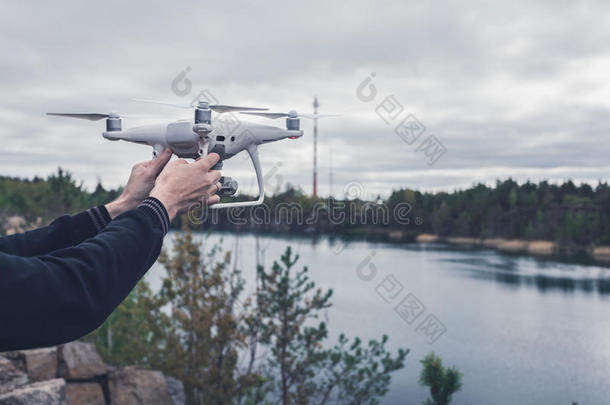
219 108
290 114
97 116
84 116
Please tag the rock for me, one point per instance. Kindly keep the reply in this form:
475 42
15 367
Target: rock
135 386
512 246
460 240
16 358
426 238
79 360
41 364
396 235
14 224
10 376
85 394
175 388
601 253
541 247
492 242
51 392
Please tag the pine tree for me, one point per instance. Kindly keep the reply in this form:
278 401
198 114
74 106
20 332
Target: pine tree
300 370
443 382
204 336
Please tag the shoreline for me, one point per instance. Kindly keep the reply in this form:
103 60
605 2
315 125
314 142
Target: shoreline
544 248
599 255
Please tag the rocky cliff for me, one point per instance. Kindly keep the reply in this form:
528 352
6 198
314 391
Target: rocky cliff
74 374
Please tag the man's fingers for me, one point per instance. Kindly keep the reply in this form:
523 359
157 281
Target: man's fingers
213 200
208 161
213 188
180 162
213 176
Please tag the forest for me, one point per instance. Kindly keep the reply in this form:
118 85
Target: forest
575 216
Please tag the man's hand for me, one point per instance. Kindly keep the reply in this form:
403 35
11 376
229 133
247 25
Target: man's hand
140 183
183 184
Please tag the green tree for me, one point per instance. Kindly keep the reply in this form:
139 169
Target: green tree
443 382
205 332
300 370
132 332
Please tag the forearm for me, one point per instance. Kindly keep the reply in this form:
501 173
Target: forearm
66 230
63 232
121 205
62 296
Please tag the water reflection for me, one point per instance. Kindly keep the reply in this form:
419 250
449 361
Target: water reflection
567 275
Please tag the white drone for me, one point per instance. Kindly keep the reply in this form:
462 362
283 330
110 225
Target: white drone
193 140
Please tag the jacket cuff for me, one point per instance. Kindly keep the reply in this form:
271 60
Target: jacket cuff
155 206
99 217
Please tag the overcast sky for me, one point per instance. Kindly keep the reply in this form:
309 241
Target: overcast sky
516 89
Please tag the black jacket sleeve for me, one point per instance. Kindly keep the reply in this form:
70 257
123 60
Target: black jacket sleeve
63 232
61 296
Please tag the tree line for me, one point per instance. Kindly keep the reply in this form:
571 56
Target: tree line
574 216
43 199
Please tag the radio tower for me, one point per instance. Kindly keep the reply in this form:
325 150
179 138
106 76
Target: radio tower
315 146
330 173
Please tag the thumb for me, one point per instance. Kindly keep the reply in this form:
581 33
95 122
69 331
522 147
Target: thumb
208 161
159 163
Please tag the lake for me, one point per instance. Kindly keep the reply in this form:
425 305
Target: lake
522 330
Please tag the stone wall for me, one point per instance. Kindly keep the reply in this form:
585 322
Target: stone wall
74 374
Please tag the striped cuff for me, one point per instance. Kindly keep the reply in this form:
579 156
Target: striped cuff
159 210
99 216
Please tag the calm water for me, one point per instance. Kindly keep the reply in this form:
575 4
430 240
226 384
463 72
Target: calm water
522 330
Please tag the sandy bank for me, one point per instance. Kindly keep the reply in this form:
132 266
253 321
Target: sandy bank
601 253
426 238
458 240
537 247
541 247
534 247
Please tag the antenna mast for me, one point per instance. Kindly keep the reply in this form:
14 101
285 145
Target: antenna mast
315 147
330 174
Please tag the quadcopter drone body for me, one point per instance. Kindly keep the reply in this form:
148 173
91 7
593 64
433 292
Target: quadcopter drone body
188 139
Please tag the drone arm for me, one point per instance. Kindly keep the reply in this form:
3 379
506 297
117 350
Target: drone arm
253 152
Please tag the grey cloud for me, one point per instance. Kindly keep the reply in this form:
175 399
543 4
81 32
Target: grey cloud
496 83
